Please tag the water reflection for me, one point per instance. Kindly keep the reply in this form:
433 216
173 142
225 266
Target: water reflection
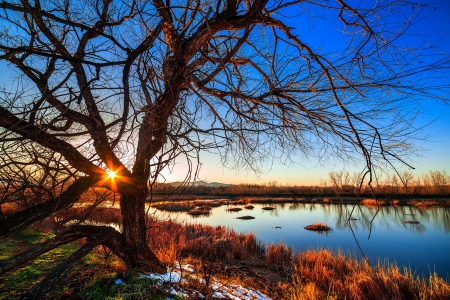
423 246
388 216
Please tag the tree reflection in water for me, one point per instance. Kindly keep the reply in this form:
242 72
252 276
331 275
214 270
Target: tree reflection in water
387 216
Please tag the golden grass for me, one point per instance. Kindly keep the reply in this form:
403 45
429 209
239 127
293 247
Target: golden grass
265 200
318 226
425 203
395 202
322 275
170 241
238 202
217 203
278 254
373 202
175 206
10 208
311 274
200 211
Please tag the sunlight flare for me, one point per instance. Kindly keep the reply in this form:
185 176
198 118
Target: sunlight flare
111 174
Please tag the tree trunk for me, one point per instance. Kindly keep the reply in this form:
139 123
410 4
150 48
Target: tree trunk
137 254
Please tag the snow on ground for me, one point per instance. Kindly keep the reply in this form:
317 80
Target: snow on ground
229 291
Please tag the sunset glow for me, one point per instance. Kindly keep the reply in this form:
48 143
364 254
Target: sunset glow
111 174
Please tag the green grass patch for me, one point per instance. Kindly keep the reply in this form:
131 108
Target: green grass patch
32 237
16 282
132 287
7 249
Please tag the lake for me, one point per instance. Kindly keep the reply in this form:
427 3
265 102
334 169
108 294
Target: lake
423 247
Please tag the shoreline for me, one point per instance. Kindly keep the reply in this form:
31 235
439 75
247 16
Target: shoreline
219 254
198 200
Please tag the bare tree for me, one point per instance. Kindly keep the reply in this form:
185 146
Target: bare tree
406 178
130 86
440 180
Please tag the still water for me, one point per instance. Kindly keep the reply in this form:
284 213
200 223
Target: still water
423 247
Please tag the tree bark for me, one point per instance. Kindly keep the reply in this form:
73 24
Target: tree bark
136 253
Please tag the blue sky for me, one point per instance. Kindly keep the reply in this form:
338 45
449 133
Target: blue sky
435 26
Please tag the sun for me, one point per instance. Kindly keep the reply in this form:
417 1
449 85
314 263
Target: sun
111 174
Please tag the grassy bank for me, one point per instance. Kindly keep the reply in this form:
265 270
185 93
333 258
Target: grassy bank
226 256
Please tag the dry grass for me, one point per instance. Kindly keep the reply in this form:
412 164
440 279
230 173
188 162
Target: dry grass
265 200
373 202
234 209
395 202
238 201
10 208
217 203
175 206
278 254
172 241
318 226
200 211
327 200
425 203
322 275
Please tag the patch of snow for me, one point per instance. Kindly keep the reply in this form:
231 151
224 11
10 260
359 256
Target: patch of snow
174 277
230 291
188 268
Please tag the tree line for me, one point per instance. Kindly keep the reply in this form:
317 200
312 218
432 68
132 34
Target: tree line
339 183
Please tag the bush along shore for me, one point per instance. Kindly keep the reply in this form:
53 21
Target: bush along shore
217 258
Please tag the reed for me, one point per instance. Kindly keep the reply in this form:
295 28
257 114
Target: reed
238 201
327 200
322 275
265 200
200 211
171 241
175 206
425 203
318 226
395 202
373 202
278 254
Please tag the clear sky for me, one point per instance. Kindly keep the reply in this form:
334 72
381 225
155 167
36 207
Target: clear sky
435 26
436 156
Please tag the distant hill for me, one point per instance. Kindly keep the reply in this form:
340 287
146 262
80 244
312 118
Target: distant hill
200 183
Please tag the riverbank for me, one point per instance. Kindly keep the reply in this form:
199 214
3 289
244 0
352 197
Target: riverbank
218 254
